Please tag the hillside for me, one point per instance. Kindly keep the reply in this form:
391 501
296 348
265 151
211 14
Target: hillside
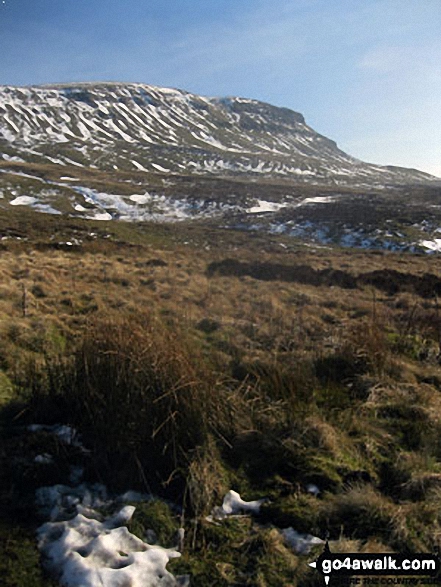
139 153
186 362
219 344
132 127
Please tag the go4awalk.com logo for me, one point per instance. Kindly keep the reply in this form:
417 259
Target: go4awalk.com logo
408 567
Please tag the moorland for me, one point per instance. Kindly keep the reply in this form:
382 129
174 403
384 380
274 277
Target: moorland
194 359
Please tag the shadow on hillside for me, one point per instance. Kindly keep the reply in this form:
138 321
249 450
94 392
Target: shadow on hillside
389 281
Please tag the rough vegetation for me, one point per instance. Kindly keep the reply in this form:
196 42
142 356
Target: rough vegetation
194 361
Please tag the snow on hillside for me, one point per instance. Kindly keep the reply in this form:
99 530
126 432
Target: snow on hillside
134 152
151 129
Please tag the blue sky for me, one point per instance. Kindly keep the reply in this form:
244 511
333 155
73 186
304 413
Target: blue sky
366 73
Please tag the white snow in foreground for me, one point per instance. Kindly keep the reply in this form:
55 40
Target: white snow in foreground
434 245
23 201
84 548
300 543
65 433
44 459
84 551
312 489
234 504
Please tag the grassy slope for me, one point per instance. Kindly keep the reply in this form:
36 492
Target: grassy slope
262 381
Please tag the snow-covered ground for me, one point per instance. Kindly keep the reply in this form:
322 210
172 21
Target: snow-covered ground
84 544
277 217
83 549
265 206
233 504
133 208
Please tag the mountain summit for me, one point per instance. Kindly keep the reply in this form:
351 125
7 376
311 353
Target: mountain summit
128 127
113 151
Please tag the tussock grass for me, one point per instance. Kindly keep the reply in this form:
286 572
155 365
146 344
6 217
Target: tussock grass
360 512
188 384
139 398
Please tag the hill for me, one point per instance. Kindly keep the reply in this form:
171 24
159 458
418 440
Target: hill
138 127
185 361
137 152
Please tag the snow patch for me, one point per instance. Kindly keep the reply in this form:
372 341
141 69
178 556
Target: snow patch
313 489
140 198
83 547
46 209
65 433
86 552
138 165
23 201
234 504
265 206
300 543
317 200
434 245
13 158
160 168
44 459
100 216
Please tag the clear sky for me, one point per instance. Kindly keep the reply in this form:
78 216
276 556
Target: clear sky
366 73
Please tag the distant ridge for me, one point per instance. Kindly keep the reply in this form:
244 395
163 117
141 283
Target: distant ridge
143 128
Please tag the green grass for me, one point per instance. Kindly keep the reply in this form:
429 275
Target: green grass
19 558
190 384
